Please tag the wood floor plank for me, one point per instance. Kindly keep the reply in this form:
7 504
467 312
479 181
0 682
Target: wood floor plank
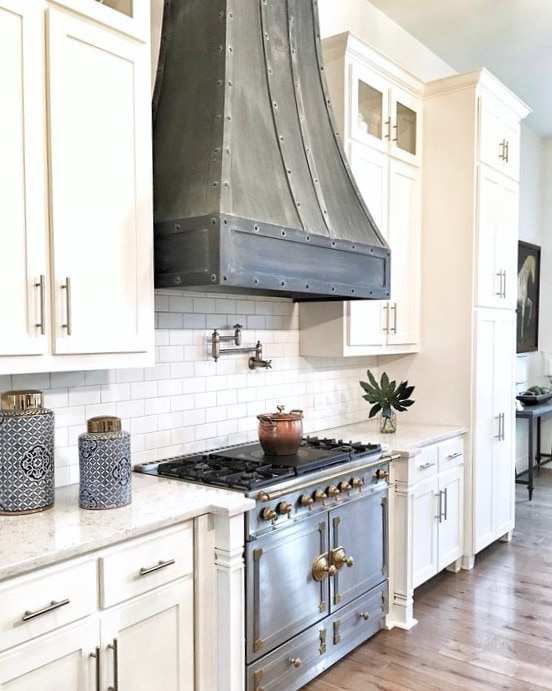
480 630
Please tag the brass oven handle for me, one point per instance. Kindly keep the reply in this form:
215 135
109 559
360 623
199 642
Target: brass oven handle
115 647
67 287
321 569
340 558
49 608
161 565
40 286
96 656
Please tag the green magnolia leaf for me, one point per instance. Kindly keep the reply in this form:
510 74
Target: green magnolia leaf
384 382
372 379
374 410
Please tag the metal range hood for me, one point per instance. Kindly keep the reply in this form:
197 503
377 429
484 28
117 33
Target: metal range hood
252 190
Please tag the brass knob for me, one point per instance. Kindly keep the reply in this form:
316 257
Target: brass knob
365 615
382 474
357 482
332 491
268 514
263 496
284 507
344 486
306 500
319 495
340 559
295 661
321 569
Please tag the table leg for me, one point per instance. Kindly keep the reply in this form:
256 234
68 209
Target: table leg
532 424
538 449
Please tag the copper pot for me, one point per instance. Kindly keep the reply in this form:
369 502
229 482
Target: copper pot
280 433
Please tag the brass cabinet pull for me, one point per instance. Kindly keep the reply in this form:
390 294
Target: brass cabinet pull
364 615
295 661
115 647
67 287
160 565
96 656
40 286
49 608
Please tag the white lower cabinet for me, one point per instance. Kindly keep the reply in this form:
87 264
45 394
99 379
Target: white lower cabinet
144 642
427 521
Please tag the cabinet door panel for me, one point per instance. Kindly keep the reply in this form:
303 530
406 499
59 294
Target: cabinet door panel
405 125
423 517
451 486
23 218
99 190
54 661
496 240
404 194
498 137
155 640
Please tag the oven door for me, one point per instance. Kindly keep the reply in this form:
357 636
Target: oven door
358 546
282 595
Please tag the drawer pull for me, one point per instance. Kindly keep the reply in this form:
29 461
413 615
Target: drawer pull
425 466
295 661
49 608
365 615
160 565
453 455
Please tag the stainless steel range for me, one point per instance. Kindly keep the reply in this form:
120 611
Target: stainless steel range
315 550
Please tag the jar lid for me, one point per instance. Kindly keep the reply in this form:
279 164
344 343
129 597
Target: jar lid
23 399
103 423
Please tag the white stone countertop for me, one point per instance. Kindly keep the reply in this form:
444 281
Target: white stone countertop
35 540
408 438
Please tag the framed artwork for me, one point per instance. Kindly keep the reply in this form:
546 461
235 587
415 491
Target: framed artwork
528 297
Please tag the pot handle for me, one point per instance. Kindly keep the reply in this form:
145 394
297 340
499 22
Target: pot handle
265 420
295 410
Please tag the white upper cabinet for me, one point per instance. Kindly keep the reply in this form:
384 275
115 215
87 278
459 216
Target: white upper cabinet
383 114
498 138
377 105
23 219
77 261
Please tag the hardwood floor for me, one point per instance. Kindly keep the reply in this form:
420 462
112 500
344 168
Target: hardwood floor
489 628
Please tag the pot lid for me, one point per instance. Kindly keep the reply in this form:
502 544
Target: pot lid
294 414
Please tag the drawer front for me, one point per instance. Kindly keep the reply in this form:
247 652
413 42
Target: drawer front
451 453
145 563
45 600
426 463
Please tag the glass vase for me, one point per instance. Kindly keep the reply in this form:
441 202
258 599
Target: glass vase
388 423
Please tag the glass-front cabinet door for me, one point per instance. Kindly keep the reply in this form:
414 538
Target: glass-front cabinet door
384 116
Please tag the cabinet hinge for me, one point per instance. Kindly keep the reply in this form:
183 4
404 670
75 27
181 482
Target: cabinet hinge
336 636
322 648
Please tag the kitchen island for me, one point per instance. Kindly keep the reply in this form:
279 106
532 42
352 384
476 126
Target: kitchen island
86 594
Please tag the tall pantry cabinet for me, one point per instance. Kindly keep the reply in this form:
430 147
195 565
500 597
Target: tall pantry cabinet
465 372
76 249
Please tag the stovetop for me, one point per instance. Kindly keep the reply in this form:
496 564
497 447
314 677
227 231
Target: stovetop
247 467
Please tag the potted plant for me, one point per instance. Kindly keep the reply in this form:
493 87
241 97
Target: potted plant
385 396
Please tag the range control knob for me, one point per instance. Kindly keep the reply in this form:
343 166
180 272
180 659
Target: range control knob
306 500
357 482
332 491
284 508
344 486
268 514
319 495
381 474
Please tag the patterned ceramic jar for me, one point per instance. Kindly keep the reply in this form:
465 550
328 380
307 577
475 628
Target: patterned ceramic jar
104 462
26 453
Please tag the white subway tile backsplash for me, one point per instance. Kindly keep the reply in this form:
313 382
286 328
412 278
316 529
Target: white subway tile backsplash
42 381
187 402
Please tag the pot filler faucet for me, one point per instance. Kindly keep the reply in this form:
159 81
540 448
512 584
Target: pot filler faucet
254 361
